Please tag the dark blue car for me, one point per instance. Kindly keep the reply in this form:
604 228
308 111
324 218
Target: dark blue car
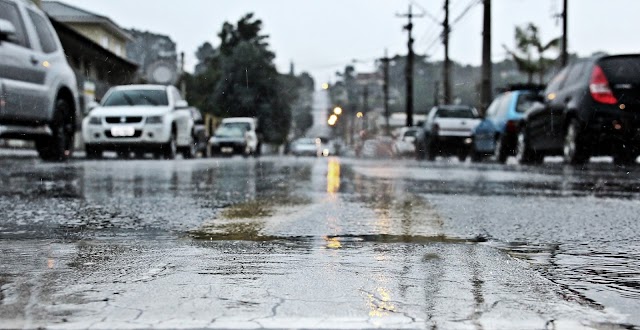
497 134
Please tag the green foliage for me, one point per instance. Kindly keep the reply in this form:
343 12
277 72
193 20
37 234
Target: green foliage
239 79
530 51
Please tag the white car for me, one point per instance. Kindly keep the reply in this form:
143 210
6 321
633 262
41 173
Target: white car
236 135
405 141
140 119
306 147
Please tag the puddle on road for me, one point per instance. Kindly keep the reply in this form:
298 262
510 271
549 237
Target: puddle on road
589 274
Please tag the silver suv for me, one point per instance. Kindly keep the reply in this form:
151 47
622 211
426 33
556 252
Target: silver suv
38 90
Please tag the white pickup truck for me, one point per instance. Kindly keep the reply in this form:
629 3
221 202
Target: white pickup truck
447 131
236 135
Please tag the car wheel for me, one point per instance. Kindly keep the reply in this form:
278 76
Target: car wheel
501 151
524 153
431 152
421 153
462 155
574 151
93 152
625 159
59 146
170 148
190 151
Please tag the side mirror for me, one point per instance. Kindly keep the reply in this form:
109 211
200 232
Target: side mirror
7 30
182 104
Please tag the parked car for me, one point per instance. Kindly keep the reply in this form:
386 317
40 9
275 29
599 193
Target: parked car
405 141
590 108
382 147
201 137
228 140
306 147
38 93
140 119
447 131
497 133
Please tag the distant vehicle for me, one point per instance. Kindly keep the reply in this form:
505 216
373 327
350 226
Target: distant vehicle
38 93
230 140
405 141
382 147
447 131
225 144
306 147
140 119
590 108
201 138
497 134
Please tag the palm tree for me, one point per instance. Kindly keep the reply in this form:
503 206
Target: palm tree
527 43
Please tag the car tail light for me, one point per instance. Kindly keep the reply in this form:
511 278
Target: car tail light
512 126
599 87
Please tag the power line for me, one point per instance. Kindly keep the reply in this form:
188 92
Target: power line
472 4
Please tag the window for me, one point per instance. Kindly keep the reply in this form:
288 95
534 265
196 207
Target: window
576 73
525 101
493 108
503 106
456 112
9 12
556 82
137 97
118 50
47 39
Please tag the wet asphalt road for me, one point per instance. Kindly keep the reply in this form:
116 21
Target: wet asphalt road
317 243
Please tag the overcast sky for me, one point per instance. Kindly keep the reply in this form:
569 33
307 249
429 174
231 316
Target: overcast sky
323 36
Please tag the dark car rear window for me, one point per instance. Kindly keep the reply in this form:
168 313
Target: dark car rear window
455 113
621 69
525 101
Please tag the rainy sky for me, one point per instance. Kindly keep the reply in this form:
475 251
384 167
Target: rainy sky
323 36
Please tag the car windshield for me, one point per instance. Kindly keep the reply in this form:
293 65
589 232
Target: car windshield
241 126
327 164
136 98
230 132
306 141
525 101
455 113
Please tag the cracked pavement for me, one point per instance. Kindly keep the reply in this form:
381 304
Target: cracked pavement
316 243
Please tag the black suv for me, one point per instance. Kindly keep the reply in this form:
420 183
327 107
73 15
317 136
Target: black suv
590 108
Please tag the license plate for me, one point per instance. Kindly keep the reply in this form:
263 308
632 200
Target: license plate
123 131
227 150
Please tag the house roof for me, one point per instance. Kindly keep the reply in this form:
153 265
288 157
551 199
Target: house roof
65 13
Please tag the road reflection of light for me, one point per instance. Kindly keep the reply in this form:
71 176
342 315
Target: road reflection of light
380 304
333 176
332 243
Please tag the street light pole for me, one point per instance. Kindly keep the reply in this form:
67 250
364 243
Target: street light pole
486 83
409 68
385 62
564 58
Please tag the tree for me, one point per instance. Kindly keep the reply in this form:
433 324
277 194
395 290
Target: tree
239 79
527 43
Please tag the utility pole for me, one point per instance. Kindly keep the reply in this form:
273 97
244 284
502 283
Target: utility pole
385 89
486 83
409 67
564 57
365 106
446 70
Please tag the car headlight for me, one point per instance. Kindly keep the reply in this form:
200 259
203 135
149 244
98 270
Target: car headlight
154 120
95 120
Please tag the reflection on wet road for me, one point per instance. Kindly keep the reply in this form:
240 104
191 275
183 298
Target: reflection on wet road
317 243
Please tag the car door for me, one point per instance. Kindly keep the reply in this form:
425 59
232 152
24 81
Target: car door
46 58
182 118
540 119
485 132
23 76
564 102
